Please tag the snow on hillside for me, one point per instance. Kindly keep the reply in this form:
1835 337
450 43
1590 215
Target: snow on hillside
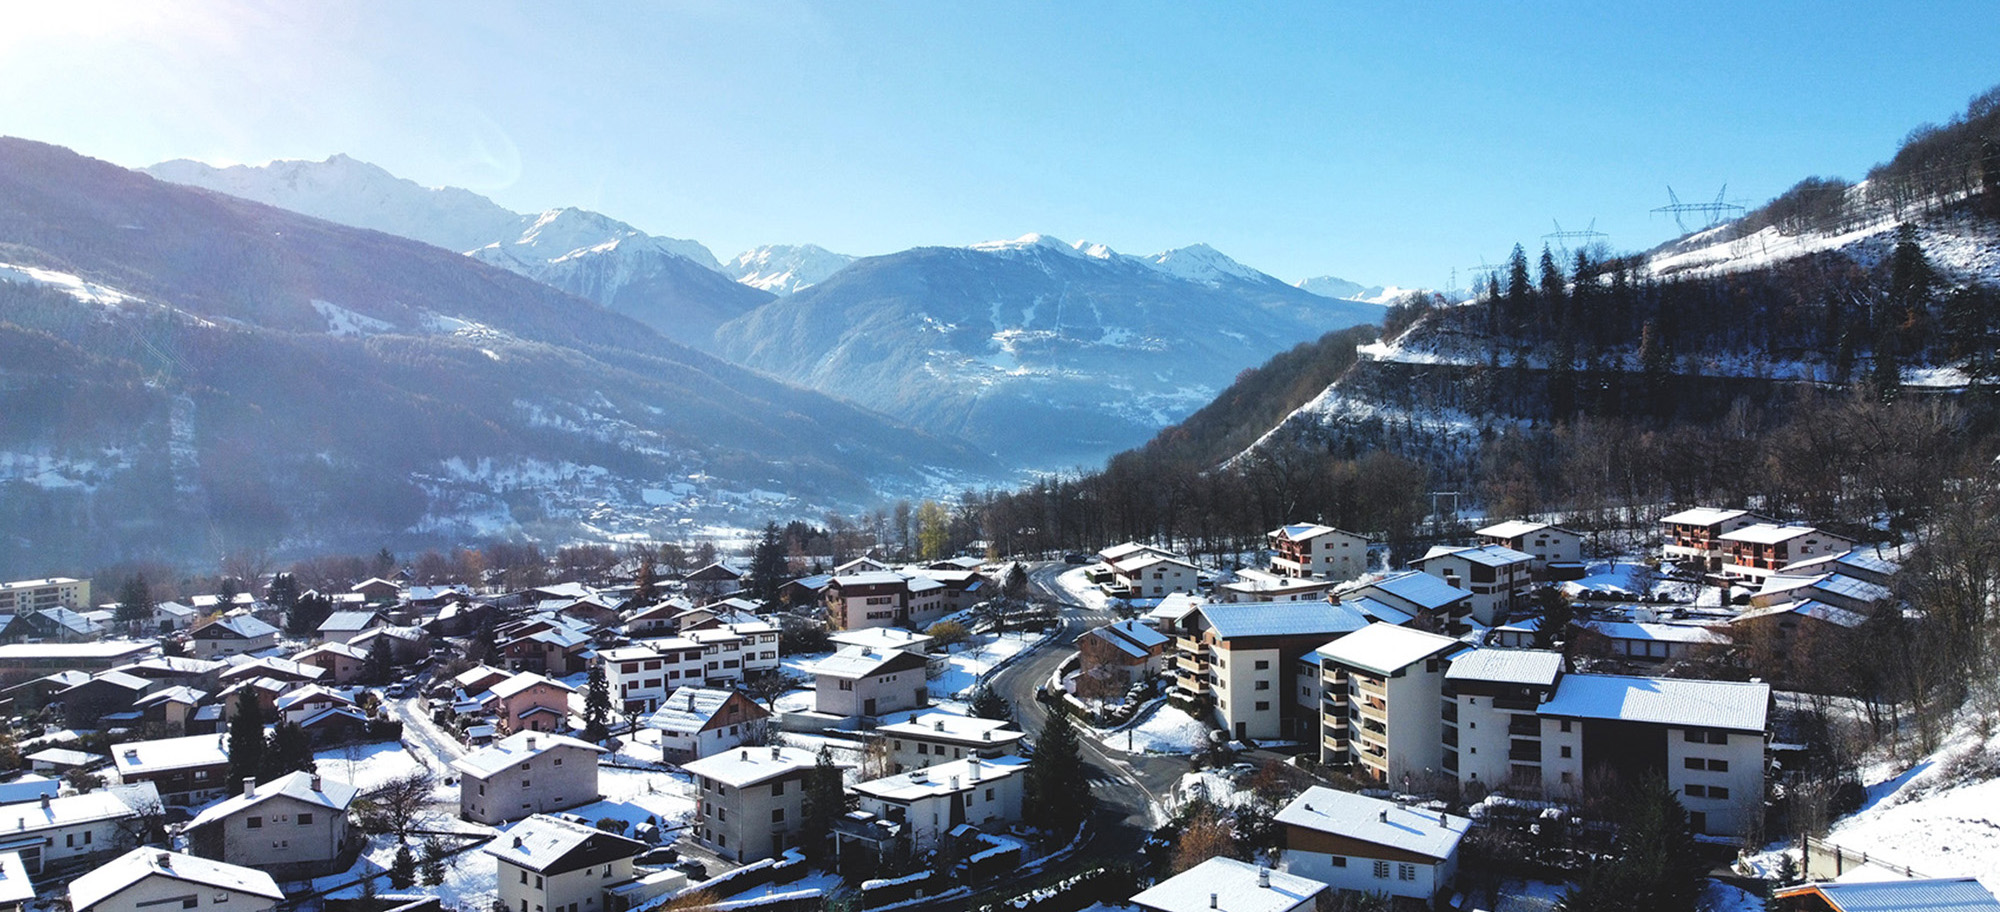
1196 263
1961 248
782 269
1347 290
82 291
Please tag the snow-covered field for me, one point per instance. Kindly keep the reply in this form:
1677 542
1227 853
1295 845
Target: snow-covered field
1167 730
367 766
1075 584
1940 817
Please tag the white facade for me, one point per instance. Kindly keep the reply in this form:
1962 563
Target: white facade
1367 845
527 773
1317 551
641 675
933 800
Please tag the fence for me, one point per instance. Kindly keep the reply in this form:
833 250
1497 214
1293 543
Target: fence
1826 861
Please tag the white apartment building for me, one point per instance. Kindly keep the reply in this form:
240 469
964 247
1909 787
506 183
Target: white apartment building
524 774
1353 842
548 864
751 800
932 801
1311 550
1383 687
1497 577
641 675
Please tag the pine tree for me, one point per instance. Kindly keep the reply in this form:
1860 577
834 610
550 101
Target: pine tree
597 706
988 704
403 871
767 566
435 856
1658 864
135 600
646 582
288 751
283 592
1058 793
825 801
1015 586
246 741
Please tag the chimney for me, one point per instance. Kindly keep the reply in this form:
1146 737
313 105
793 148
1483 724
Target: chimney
517 842
249 786
954 783
746 754
1211 900
1264 877
1443 821
531 742
986 735
690 701
777 753
973 764
45 802
940 725
1384 815
315 782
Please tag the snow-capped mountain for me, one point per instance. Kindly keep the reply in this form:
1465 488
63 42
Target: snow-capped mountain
785 268
674 285
1051 354
1347 290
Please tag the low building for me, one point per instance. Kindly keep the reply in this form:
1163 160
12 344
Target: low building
1116 656
1944 894
1547 543
1646 641
186 771
343 664
294 827
549 864
1355 843
16 890
59 835
20 662
1314 551
751 800
529 702
932 801
1497 577
526 773
1253 585
343 626
227 636
148 880
695 722
1223 884
938 737
856 681
1412 595
1837 589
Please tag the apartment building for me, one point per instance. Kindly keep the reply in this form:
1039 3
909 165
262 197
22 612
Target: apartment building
1693 538
938 737
1758 551
751 800
548 864
641 675
1244 658
1497 577
1492 724
23 596
1314 551
1381 714
1547 543
294 826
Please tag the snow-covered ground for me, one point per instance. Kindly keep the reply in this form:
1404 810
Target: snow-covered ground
969 661
1940 817
1075 584
367 766
1167 730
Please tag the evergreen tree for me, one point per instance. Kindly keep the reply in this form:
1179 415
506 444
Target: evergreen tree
597 706
988 704
246 741
283 593
1658 865
307 613
135 600
289 751
646 582
825 801
1968 331
435 856
403 871
1015 586
1655 365
1911 284
1557 613
226 592
1058 793
767 566
1520 290
381 661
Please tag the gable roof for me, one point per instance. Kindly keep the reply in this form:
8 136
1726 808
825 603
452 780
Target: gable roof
1131 637
855 662
235 627
351 620
690 709
943 726
1233 886
515 748
1377 822
1773 533
1662 701
748 766
299 786
1384 648
524 681
1255 619
1508 666
1812 608
1515 528
139 864
942 779
553 845
1418 588
1484 555
1945 894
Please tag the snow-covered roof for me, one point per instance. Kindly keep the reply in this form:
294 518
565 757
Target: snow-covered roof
750 765
1773 533
1132 637
1376 822
1515 528
140 758
329 794
1812 608
1176 607
1302 531
1704 516
1120 552
118 679
1484 555
1658 633
173 665
350 620
870 578
103 804
1419 588
14 884
175 609
688 709
942 726
524 681
1538 667
1258 619
1149 560
271 666
62 756
240 626
571 591
515 748
542 842
103 649
1662 701
942 779
924 584
1862 559
882 638
1836 583
1384 648
311 693
1944 894
341 649
102 883
1378 610
1233 886
861 661
177 694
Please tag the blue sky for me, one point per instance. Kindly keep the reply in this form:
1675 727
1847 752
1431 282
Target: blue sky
1386 145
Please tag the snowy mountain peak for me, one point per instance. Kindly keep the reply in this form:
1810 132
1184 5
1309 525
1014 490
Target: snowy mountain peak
1026 242
782 269
1204 264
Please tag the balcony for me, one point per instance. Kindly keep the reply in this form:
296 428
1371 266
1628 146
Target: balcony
1524 726
1450 737
1371 686
1450 712
1525 752
1516 704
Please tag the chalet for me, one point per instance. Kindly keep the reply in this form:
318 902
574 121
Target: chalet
1352 842
272 667
750 802
1401 597
657 620
173 706
932 801
169 617
302 703
1547 543
186 770
1148 575
147 879
1244 657
695 722
405 644
1116 656
1693 538
431 598
863 564
478 679
170 671
378 591
857 681
227 636
52 625
342 663
1253 585
59 835
1313 551
877 598
294 827
1223 884
717 580
1497 577
526 773
1761 550
549 863
936 737
344 626
553 649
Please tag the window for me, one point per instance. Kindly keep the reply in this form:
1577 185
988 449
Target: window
1717 791
1694 763
1719 766
989 794
1263 705
1565 726
538 881
305 819
524 783
524 877
1695 791
1263 685
1263 664
1406 872
1566 752
778 788
255 823
556 762
1382 870
1338 861
777 815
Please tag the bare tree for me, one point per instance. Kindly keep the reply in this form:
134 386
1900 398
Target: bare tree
393 807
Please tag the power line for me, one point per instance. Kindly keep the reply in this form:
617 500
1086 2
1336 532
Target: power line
1716 212
1562 238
